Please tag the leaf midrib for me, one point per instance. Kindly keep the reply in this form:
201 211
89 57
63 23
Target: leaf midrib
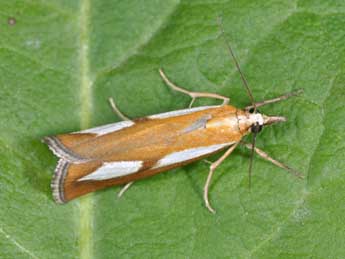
85 203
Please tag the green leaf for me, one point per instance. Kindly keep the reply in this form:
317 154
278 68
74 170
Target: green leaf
61 60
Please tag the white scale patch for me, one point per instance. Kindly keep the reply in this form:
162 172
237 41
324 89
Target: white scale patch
180 112
105 129
188 154
252 119
113 170
257 117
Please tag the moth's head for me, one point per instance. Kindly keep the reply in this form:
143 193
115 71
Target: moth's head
259 120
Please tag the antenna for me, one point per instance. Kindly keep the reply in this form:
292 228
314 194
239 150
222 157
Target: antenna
249 92
251 160
245 83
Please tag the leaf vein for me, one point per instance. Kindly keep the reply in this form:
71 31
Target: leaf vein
16 243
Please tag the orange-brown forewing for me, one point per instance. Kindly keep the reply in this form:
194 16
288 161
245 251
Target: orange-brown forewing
148 140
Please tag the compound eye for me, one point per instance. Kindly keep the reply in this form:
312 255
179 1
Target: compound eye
251 110
256 128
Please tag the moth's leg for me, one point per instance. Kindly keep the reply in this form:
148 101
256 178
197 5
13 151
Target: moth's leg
193 95
207 161
124 189
116 110
213 167
274 100
265 156
125 118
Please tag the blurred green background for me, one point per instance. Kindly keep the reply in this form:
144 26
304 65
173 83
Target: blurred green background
61 60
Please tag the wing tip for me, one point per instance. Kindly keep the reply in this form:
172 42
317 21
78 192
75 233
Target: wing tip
57 183
59 149
51 141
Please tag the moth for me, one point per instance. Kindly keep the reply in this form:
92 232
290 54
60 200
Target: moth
124 152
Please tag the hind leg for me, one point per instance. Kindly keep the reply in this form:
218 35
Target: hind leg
125 118
124 189
116 110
